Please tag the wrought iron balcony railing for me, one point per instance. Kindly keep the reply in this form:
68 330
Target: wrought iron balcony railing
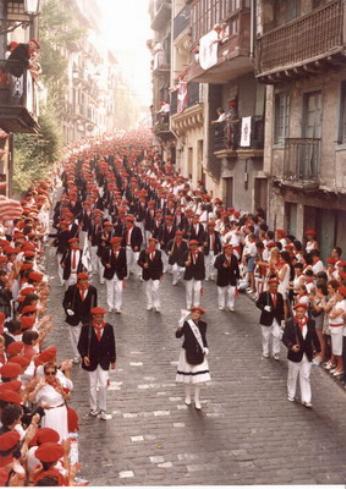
227 134
302 159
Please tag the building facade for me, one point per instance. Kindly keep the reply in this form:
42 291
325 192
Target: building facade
305 130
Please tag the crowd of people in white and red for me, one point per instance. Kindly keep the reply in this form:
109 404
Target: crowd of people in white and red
119 195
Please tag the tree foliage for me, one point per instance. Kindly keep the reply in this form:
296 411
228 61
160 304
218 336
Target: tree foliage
36 154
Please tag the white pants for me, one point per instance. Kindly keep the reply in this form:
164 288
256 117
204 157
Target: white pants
303 369
131 259
267 333
178 273
72 280
193 293
83 235
152 289
60 268
336 336
101 271
74 337
209 266
166 266
114 289
94 259
226 296
98 381
147 235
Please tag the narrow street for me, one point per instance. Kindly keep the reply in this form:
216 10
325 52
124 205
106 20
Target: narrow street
247 432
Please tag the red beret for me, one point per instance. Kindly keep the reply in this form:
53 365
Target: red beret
29 309
300 305
45 435
98 310
342 290
27 290
26 266
13 385
331 260
193 242
198 309
47 355
3 259
130 218
49 452
9 440
116 240
10 396
21 360
15 348
27 322
29 254
83 276
227 245
10 370
36 276
310 232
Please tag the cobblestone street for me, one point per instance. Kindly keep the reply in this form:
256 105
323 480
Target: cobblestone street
247 432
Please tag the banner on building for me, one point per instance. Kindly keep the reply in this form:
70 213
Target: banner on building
245 140
208 48
182 97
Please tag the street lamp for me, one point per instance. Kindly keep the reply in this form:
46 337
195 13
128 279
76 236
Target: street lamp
32 7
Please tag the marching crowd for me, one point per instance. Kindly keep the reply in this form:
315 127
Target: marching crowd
122 213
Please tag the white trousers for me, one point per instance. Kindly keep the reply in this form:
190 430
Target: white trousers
303 370
193 293
72 280
74 332
152 289
101 271
166 266
94 259
60 268
98 381
147 235
131 259
226 296
114 288
267 337
178 273
83 235
209 266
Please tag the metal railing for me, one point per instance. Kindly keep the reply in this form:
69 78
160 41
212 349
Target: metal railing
194 97
181 21
227 134
302 159
301 39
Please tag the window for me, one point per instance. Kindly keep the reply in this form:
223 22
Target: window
342 126
281 124
286 10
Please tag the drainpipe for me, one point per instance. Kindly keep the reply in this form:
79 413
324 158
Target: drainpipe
252 28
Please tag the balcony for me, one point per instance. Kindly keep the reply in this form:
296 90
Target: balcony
18 98
303 45
231 57
181 21
161 14
161 64
302 162
226 139
186 108
161 125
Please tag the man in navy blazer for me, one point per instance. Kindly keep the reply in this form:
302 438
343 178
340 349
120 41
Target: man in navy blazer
97 348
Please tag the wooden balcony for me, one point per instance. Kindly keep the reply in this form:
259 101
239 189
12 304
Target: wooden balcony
233 53
302 162
304 45
18 98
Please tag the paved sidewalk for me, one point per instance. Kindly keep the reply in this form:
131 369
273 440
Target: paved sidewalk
247 432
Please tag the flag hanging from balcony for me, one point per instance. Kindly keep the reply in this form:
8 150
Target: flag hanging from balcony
208 47
245 140
182 96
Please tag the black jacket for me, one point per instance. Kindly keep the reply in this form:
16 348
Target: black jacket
196 271
217 243
276 312
194 354
72 300
293 335
118 264
66 262
101 352
177 254
136 238
155 268
229 275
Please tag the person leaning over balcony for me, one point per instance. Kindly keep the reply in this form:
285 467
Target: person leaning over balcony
221 115
21 57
